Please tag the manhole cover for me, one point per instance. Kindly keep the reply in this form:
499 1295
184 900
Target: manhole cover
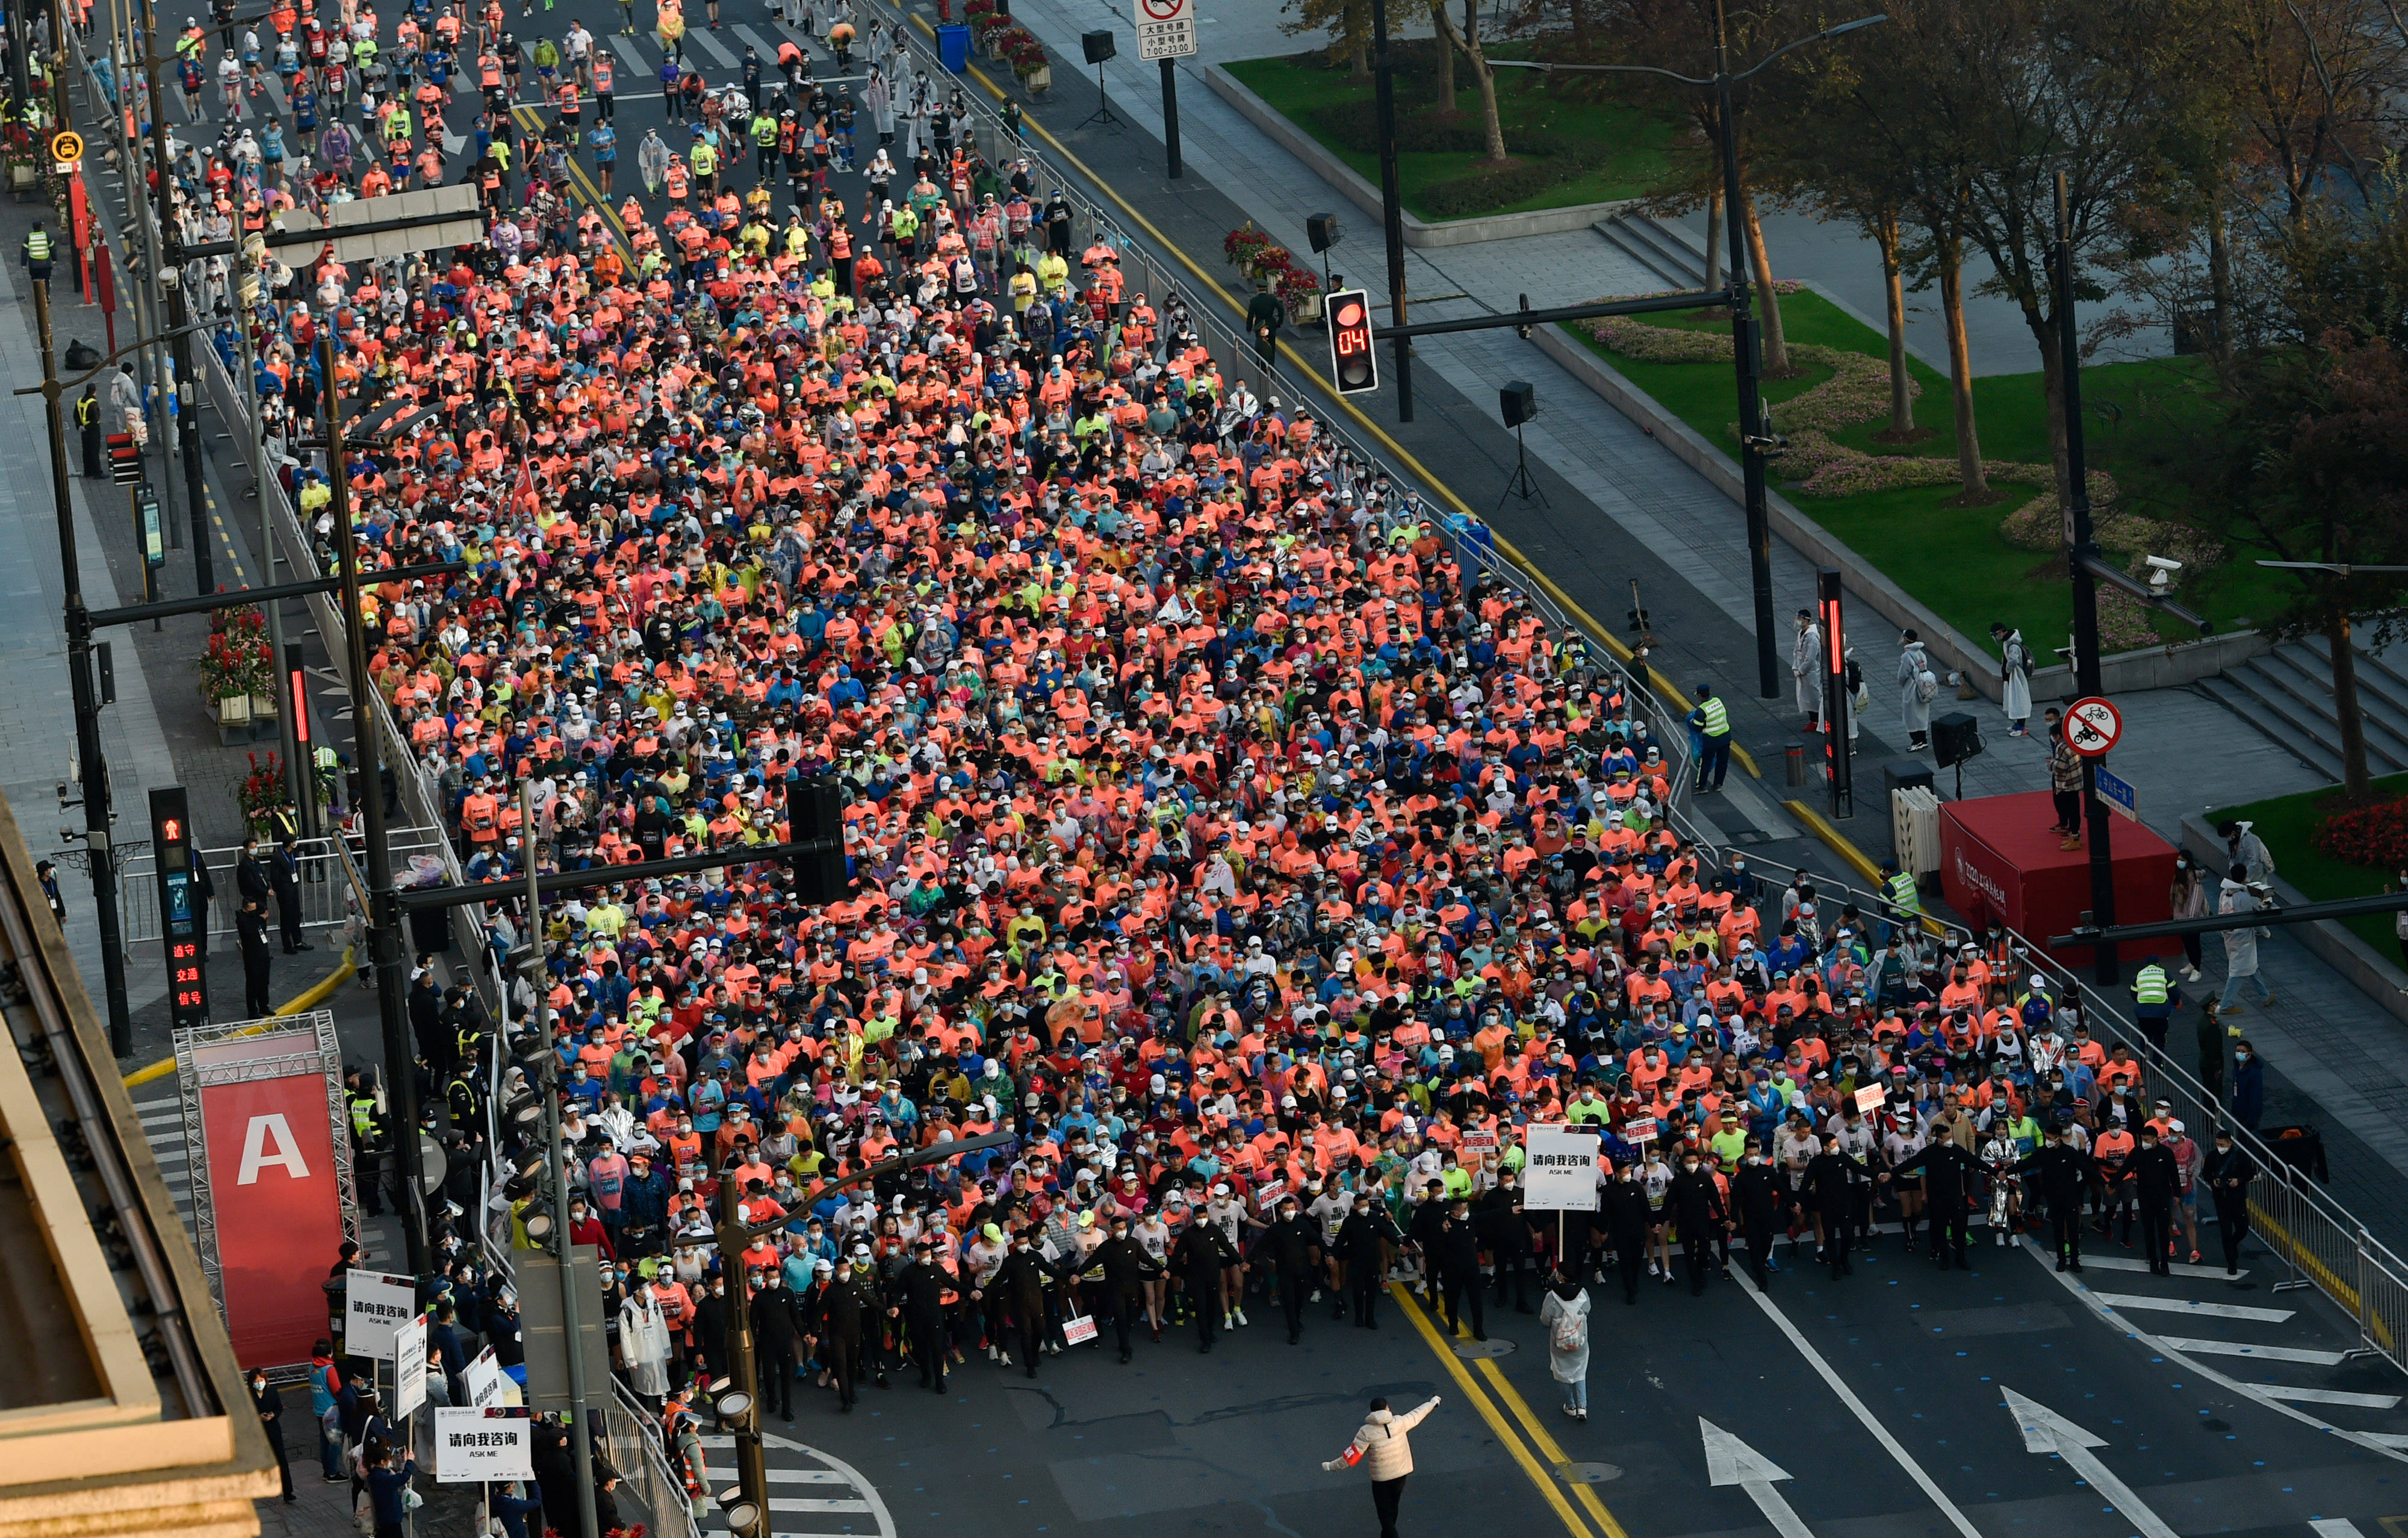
1477 1350
1588 1474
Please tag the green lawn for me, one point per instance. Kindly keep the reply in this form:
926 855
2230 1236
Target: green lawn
2287 824
1567 152
2136 417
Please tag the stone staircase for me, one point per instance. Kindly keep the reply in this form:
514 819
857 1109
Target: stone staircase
1671 252
2286 693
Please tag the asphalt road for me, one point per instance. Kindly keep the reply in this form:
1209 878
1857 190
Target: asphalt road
1880 1401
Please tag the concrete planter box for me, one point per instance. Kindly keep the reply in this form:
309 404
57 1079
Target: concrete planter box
2150 668
1363 195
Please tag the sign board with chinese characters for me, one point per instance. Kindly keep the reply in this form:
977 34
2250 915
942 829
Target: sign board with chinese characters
1560 1171
375 1307
482 1445
410 1368
1165 29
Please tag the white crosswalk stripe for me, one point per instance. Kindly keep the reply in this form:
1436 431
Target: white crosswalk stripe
758 44
2120 1262
701 38
2261 1353
811 1493
2191 1306
2327 1395
638 67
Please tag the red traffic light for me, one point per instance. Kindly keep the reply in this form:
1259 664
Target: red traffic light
1352 362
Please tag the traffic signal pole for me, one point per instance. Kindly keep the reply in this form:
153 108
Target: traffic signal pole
91 769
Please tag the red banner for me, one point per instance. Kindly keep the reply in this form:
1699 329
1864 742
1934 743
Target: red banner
271 1177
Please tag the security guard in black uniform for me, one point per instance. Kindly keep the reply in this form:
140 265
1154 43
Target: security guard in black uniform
250 928
88 424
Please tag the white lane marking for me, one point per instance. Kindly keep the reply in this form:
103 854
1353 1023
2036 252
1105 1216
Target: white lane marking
2327 1395
2119 1262
2335 1527
2260 1353
785 1476
2046 1432
758 44
1848 1396
1731 1461
2196 1309
2186 1353
701 38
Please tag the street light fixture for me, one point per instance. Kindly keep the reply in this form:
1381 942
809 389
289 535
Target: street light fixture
1747 350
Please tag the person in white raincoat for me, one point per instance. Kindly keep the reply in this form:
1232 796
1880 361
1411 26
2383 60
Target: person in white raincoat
1914 696
1564 1317
644 1341
2015 677
1806 667
2239 946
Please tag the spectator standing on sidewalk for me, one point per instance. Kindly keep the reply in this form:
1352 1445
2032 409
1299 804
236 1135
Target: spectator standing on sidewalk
1917 687
2239 946
1382 1446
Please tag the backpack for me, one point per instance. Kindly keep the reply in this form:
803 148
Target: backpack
1567 1336
1927 686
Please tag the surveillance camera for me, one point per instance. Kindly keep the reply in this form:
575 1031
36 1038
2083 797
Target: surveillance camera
2163 563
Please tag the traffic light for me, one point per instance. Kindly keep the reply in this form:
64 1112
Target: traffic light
1352 362
817 813
182 913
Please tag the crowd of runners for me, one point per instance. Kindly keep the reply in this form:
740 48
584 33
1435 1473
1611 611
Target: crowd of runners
1215 826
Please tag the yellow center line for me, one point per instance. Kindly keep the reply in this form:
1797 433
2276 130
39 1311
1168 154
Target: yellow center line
1542 1477
1603 633
593 196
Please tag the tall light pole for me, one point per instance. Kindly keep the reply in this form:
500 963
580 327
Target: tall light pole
1392 207
89 765
384 917
1747 357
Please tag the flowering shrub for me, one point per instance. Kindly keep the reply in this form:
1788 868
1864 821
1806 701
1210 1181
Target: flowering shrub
262 794
1022 51
2375 836
236 659
1245 245
1295 284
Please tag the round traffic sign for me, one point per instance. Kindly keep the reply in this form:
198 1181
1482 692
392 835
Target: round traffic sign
67 145
2092 725
1164 11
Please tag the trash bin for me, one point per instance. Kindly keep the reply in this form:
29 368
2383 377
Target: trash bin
430 929
953 48
1898 774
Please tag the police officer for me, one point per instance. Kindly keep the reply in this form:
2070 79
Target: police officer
88 425
1755 1198
359 1098
251 929
2155 998
1904 895
1711 720
40 250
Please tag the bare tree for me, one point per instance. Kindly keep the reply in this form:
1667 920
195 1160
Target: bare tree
1465 40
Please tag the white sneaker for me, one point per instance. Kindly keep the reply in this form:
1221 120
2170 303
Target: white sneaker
1003 1357
1228 1321
990 1351
2190 974
1653 1270
1241 1316
1316 1296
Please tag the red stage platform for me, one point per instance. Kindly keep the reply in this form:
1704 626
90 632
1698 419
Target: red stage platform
1998 856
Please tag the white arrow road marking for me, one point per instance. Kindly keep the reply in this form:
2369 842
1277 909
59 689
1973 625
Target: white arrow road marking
1847 1396
2046 1432
1731 1461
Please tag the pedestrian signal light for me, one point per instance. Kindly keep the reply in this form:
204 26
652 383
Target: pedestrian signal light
183 910
1353 363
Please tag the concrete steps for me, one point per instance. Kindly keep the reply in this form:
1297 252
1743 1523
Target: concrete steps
1669 251
2286 693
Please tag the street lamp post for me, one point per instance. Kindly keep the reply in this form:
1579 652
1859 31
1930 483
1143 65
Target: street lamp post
1747 350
